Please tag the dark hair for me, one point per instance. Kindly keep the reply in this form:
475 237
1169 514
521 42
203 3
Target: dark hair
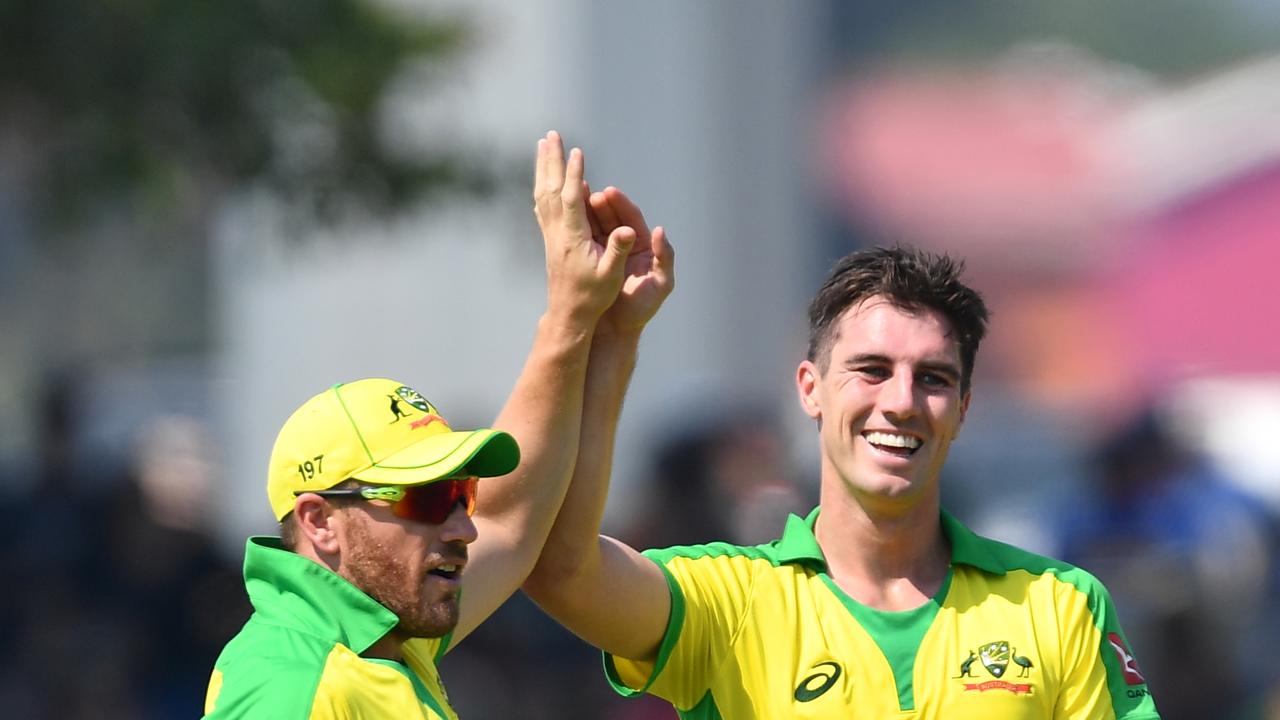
908 278
288 532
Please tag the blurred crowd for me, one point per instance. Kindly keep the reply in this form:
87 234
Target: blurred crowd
120 599
1193 564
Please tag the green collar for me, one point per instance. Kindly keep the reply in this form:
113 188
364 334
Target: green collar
290 590
798 545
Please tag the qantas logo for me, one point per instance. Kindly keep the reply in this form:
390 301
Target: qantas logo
1132 675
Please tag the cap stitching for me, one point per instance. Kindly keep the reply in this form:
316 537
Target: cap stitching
354 426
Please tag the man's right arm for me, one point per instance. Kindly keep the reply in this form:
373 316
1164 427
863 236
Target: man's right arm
599 588
585 273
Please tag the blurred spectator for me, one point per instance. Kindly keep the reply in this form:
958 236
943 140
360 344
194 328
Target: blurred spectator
164 563
1189 559
52 612
120 601
725 479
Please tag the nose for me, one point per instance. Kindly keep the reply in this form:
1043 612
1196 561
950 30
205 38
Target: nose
459 526
898 395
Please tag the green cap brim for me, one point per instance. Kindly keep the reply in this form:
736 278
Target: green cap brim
483 453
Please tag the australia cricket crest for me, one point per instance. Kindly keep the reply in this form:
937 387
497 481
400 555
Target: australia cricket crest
995 657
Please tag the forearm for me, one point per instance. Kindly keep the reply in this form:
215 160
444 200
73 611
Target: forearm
578 566
514 512
543 413
571 546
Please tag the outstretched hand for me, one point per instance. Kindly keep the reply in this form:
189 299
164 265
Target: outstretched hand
585 262
649 275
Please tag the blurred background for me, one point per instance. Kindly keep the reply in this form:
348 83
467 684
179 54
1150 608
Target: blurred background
211 211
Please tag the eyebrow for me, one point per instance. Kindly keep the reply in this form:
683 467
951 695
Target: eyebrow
947 368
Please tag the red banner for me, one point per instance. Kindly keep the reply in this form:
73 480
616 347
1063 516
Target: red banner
1016 689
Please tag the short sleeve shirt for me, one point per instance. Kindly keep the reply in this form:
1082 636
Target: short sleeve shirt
764 632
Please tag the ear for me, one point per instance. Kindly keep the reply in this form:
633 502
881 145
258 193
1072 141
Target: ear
807 377
318 525
964 410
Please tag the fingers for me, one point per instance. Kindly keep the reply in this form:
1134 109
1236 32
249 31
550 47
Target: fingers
600 206
571 197
625 211
664 258
559 191
614 262
555 161
571 182
548 177
539 161
539 178
597 229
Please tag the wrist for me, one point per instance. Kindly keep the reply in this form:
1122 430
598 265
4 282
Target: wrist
606 334
615 349
576 324
565 334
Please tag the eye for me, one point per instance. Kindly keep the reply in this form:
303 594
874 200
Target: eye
873 372
935 380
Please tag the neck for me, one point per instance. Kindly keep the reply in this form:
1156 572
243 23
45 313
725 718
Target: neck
889 560
388 647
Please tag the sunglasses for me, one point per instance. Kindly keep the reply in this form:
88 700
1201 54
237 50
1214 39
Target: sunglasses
431 503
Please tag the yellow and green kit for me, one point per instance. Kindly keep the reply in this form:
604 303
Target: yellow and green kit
298 656
764 632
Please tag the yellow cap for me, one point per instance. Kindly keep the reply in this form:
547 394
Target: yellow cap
380 431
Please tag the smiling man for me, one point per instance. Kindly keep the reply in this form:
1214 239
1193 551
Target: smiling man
362 593
878 604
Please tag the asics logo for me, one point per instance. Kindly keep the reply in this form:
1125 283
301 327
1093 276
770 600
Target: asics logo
813 686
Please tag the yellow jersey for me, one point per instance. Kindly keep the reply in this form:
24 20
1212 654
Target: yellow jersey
764 632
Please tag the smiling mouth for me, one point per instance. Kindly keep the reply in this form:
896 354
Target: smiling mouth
448 571
893 443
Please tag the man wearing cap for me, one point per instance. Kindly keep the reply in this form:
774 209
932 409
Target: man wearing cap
361 595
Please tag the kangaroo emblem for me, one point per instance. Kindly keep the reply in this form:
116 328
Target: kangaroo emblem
395 408
966 666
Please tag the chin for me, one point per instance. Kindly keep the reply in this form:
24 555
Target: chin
436 620
890 487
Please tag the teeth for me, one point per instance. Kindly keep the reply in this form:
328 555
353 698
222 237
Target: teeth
448 568
902 441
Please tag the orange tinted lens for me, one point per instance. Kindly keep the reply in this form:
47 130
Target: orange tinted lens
470 488
434 502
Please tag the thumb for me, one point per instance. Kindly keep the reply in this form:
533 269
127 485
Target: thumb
621 240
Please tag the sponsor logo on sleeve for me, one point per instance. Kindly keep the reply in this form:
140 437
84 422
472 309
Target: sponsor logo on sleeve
1129 665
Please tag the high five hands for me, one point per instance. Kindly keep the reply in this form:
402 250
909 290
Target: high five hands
604 265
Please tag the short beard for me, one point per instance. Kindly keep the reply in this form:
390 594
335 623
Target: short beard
375 569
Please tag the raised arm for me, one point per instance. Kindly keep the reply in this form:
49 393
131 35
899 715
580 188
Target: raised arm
599 588
544 411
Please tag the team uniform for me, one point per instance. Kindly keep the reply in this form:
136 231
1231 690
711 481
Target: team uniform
298 656
764 632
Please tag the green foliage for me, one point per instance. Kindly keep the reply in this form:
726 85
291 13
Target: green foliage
144 101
